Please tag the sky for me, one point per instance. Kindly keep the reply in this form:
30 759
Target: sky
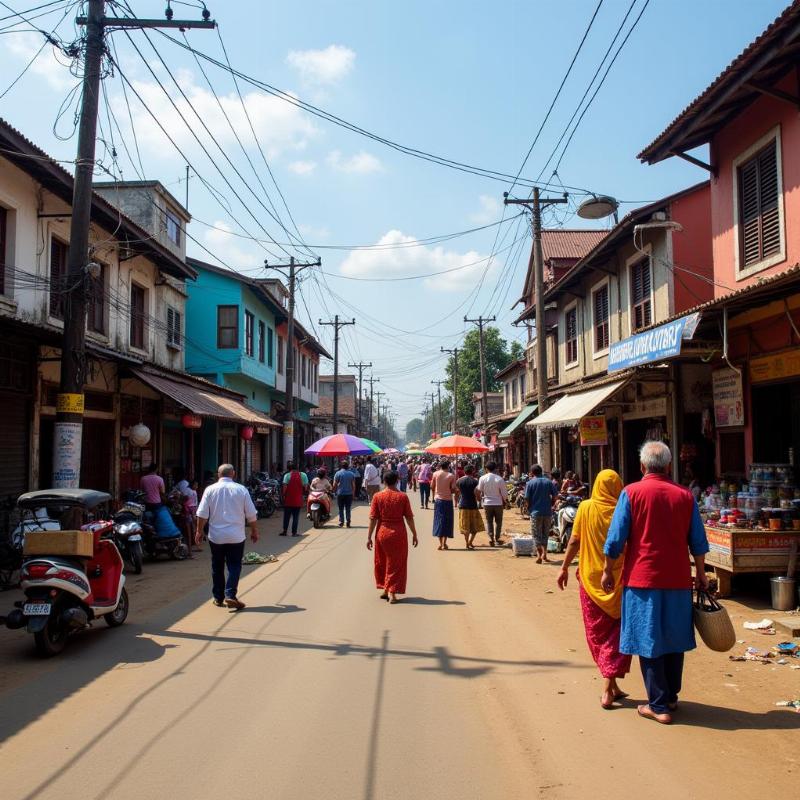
465 80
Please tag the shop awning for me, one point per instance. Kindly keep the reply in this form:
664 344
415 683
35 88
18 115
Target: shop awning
521 418
201 399
570 408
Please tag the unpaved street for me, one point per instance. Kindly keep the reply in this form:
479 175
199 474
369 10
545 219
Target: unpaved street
478 685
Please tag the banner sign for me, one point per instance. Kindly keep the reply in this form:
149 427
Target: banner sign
775 367
69 403
657 344
728 398
67 455
593 430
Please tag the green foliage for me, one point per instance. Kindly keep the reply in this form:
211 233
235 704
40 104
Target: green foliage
414 430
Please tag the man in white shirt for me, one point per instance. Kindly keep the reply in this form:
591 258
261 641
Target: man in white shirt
494 492
372 478
228 507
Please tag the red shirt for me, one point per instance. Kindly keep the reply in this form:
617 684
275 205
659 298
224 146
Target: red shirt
293 491
657 555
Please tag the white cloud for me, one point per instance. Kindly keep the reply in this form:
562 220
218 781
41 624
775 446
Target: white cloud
221 241
302 167
47 66
322 67
312 233
406 261
280 126
489 210
362 163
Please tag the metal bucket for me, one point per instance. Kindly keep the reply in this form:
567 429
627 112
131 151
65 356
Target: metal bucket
783 593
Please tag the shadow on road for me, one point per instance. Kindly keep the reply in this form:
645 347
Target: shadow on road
698 715
430 601
278 609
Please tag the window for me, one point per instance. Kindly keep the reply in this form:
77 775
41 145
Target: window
281 346
571 335
270 347
173 225
96 303
641 303
507 393
514 393
760 234
3 242
522 388
173 328
601 324
303 369
138 316
58 276
316 377
249 333
227 327
262 343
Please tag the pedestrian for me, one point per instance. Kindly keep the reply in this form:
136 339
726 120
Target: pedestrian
601 609
358 469
443 486
493 492
343 482
424 476
293 489
321 482
412 474
388 513
470 521
228 507
402 475
372 478
191 510
459 471
660 523
540 494
555 476
152 485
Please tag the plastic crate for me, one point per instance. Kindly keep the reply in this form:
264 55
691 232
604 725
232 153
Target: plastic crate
522 546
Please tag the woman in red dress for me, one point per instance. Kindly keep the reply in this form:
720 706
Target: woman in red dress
388 513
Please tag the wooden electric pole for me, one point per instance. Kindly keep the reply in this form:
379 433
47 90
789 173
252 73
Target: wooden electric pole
480 322
336 324
361 366
371 381
454 352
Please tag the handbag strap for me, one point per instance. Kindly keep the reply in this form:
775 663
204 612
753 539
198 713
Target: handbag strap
706 601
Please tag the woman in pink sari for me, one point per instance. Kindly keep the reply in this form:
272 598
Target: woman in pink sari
601 609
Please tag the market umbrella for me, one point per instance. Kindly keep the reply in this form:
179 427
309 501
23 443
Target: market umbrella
456 446
376 448
339 444
414 451
391 451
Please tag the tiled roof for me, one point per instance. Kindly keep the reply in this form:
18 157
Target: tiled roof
729 92
564 243
347 407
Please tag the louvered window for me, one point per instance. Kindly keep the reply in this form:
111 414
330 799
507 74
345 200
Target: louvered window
641 301
173 327
601 325
138 316
571 334
759 215
58 277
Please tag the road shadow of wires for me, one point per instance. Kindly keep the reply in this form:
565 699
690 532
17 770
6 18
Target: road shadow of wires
429 601
280 608
699 715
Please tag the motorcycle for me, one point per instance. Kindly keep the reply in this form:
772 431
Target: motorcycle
128 536
262 491
565 519
66 593
158 538
318 508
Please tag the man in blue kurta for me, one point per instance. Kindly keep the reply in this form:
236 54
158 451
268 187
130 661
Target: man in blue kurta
658 524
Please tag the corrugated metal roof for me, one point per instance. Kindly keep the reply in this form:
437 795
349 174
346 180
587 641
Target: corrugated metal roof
565 243
203 400
659 148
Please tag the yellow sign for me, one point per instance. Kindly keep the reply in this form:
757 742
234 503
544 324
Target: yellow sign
593 430
69 403
776 366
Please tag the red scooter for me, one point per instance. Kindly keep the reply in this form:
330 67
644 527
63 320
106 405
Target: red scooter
318 508
64 594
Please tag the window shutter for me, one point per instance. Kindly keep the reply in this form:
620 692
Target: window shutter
770 219
759 196
176 328
748 181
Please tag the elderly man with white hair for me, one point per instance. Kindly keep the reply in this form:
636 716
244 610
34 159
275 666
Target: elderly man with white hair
228 507
657 524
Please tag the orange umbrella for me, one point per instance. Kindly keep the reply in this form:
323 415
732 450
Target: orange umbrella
456 446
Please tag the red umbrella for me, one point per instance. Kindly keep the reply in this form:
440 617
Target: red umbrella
456 445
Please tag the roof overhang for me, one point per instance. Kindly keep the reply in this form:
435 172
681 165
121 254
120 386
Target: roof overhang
568 410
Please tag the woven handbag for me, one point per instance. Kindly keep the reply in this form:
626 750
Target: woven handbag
713 623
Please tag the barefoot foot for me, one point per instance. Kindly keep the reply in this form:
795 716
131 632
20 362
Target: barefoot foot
648 713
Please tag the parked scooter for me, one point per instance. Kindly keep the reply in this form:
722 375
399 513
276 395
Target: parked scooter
160 535
128 537
64 594
565 519
318 508
262 492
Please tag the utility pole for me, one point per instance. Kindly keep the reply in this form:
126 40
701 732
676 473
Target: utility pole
433 411
68 432
378 395
361 366
288 424
480 321
371 381
438 385
454 352
336 324
536 205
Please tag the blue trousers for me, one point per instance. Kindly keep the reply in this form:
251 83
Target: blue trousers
294 515
662 680
345 503
230 556
403 484
424 494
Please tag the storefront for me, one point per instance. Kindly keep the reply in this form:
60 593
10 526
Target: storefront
514 439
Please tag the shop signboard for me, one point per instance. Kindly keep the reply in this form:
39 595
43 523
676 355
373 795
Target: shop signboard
728 398
657 344
593 430
720 544
775 366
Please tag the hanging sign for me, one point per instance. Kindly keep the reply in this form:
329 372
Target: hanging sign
728 398
67 455
593 430
657 344
776 366
69 403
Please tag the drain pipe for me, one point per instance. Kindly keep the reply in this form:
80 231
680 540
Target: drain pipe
725 340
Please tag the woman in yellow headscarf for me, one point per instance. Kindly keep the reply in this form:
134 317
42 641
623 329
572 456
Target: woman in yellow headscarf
601 609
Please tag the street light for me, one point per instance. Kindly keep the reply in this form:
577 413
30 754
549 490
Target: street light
598 206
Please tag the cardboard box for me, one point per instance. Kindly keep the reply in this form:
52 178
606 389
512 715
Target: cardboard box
59 543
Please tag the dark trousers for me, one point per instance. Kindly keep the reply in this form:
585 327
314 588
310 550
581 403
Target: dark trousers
662 679
230 556
345 503
294 515
403 484
424 494
494 516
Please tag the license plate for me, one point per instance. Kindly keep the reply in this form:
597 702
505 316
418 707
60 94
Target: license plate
135 538
36 609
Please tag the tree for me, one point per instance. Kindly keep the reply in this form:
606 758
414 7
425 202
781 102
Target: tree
497 353
414 430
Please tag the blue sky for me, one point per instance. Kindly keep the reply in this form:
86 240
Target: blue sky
470 81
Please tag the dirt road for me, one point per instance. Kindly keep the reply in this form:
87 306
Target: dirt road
478 685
